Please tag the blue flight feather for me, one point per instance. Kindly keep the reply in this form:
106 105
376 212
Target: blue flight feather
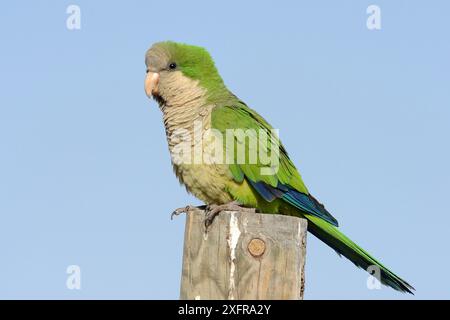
300 200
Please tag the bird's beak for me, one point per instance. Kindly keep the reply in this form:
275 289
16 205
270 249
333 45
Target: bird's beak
151 83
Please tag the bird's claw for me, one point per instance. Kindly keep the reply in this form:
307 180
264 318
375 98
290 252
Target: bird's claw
179 211
213 210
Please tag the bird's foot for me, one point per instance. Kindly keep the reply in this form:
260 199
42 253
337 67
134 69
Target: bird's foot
181 210
213 210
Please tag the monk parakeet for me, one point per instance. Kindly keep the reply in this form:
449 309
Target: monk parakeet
196 103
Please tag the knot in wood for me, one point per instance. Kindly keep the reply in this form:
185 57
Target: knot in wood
256 247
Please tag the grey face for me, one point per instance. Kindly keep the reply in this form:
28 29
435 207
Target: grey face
157 59
158 64
165 81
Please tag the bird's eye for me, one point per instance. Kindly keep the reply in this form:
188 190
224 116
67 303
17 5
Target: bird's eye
172 66
147 71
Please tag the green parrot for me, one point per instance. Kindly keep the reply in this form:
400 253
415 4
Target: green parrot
194 100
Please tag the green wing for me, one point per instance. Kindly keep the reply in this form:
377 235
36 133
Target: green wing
285 182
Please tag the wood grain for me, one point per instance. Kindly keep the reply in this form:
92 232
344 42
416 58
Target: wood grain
243 256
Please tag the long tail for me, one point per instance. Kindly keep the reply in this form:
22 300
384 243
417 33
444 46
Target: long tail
346 247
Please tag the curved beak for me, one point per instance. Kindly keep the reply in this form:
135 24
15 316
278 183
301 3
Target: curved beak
151 83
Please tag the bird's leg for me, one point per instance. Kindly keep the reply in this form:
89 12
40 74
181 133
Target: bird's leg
213 210
181 210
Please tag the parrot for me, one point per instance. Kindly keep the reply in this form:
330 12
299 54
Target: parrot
194 100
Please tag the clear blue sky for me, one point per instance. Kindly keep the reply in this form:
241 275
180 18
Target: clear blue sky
85 175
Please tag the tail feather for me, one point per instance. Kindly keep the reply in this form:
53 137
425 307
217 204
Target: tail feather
346 247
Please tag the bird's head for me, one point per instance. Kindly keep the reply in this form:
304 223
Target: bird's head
175 70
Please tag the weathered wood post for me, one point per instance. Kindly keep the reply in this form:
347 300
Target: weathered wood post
243 256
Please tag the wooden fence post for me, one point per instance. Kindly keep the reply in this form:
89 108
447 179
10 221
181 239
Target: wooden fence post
243 256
